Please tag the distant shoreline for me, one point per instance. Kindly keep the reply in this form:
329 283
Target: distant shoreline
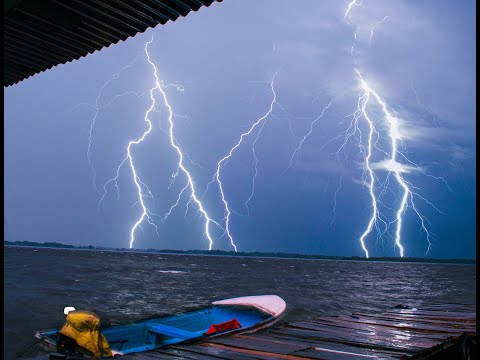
54 245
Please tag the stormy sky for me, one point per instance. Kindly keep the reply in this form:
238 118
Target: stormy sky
419 56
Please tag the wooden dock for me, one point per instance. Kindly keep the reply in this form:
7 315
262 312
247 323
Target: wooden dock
446 331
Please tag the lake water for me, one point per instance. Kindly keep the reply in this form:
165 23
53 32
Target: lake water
39 283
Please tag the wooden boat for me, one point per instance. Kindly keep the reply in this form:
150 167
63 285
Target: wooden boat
242 314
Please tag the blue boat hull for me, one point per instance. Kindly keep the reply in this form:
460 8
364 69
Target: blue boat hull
180 328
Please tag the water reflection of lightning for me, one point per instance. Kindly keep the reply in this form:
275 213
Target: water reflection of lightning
260 122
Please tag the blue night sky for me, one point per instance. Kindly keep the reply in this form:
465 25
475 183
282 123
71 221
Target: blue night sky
419 56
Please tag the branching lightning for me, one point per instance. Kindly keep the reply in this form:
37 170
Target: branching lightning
255 167
143 191
217 176
352 130
312 124
146 214
372 30
349 8
392 162
395 163
98 109
181 156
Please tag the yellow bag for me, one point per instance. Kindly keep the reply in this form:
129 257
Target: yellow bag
84 328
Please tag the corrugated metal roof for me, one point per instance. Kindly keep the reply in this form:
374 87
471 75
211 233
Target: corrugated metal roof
40 34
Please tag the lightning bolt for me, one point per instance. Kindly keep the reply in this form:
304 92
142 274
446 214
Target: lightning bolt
217 176
255 166
349 8
396 166
140 186
372 30
146 214
312 124
181 156
143 191
352 130
98 109
392 163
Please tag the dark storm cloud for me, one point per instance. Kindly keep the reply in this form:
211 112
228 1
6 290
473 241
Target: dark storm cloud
421 59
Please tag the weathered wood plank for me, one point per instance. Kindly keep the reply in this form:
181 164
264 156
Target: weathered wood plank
381 344
180 353
408 326
256 354
419 317
398 337
221 353
454 323
326 355
343 324
378 330
327 346
389 335
276 347
147 355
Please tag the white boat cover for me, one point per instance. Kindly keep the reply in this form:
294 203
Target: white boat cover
271 304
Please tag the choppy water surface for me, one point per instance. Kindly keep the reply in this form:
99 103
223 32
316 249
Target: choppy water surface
39 283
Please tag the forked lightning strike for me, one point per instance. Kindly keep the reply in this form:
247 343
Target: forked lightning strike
146 213
312 124
349 8
351 131
396 169
224 160
255 167
97 109
142 189
181 166
391 164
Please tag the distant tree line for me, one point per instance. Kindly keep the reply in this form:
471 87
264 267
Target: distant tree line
241 254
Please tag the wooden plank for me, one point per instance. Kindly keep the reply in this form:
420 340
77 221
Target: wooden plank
328 346
276 347
381 344
221 353
400 337
389 335
385 331
155 355
256 354
441 316
182 354
408 326
148 355
427 320
327 355
342 324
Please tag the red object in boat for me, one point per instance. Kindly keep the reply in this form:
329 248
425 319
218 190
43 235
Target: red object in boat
227 325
